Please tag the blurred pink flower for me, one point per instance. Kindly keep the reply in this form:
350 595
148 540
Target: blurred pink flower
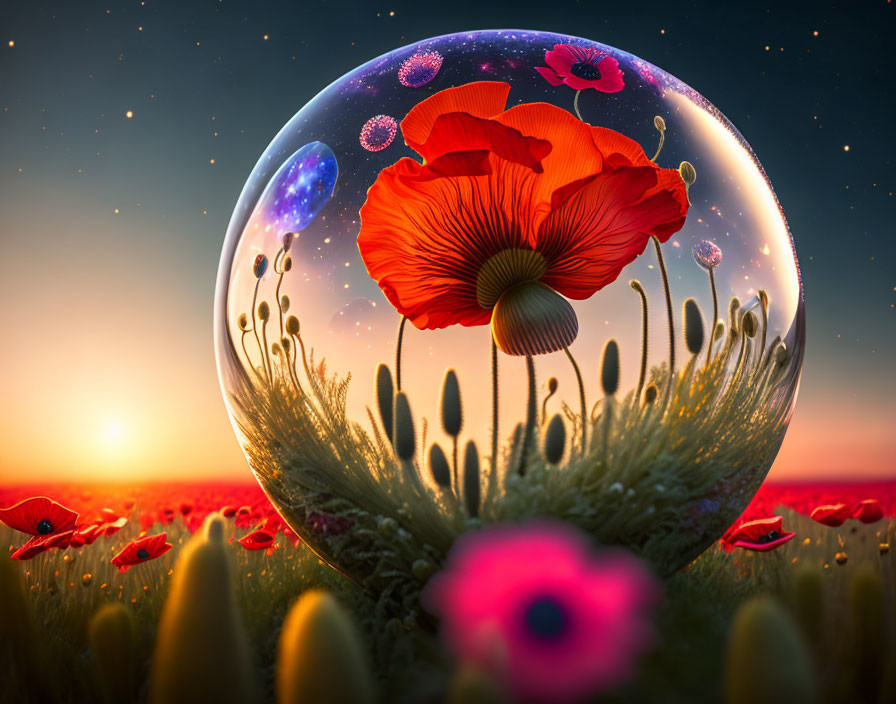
536 606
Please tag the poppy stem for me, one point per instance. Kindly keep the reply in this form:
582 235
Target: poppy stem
404 319
268 365
763 300
255 326
245 351
494 407
530 415
669 313
659 147
584 408
715 317
575 105
642 375
279 306
454 467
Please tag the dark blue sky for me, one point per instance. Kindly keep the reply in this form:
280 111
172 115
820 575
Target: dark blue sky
210 80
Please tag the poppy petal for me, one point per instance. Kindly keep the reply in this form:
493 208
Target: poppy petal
27 515
868 511
560 59
831 515
480 99
550 76
37 545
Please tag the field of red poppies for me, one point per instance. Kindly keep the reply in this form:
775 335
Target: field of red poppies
802 586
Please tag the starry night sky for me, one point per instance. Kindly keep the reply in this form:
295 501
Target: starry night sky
128 129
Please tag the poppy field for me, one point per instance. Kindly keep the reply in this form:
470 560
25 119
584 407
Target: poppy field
797 599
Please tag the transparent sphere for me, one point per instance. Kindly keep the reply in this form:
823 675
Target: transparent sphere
561 224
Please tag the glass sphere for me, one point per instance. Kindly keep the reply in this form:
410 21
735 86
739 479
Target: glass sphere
454 286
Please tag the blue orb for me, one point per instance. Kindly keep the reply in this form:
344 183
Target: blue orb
302 186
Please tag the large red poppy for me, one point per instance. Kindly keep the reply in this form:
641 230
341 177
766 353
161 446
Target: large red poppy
39 516
509 209
761 535
141 550
580 68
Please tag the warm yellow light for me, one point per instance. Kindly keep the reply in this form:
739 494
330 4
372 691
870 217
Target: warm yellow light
113 434
129 114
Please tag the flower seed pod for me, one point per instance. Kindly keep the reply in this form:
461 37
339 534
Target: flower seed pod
264 311
320 657
720 330
471 479
750 324
650 393
688 173
403 424
781 354
552 385
284 342
292 325
659 123
693 326
275 349
767 660
284 303
111 637
452 415
609 368
260 266
439 467
201 651
555 440
287 264
384 391
243 322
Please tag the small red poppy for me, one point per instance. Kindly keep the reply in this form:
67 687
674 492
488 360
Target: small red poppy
42 543
868 511
228 511
580 68
761 535
141 550
831 515
39 516
257 540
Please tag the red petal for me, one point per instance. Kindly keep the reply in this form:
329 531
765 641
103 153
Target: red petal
257 540
25 515
550 76
831 515
868 511
764 547
40 544
560 59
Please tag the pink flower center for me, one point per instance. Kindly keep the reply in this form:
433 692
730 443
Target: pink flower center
547 618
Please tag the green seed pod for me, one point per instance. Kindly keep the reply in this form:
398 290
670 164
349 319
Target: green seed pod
292 325
472 686
552 385
660 124
439 467
766 660
320 657
609 368
471 479
688 173
555 439
808 593
264 311
869 629
650 393
243 322
111 637
720 330
201 650
693 326
452 414
384 391
403 424
751 325
284 303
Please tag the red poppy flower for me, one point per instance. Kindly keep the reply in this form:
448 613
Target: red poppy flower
868 511
761 535
510 213
39 516
42 543
580 68
831 515
228 511
257 540
141 550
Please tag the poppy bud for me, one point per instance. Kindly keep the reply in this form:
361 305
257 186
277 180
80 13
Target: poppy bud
384 392
659 123
766 659
555 440
287 264
733 307
111 637
403 425
688 173
260 266
452 415
284 341
275 349
781 354
552 385
243 322
287 240
320 657
201 649
472 686
264 311
869 629
693 326
471 479
720 330
284 303
650 393
750 324
292 325
609 368
439 467
841 558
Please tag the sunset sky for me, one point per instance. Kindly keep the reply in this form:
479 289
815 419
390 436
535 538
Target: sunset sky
128 129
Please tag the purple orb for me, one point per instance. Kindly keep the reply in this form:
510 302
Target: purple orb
420 69
707 254
378 133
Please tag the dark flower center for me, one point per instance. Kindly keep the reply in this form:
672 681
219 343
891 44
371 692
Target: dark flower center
45 527
547 618
585 70
143 554
769 537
